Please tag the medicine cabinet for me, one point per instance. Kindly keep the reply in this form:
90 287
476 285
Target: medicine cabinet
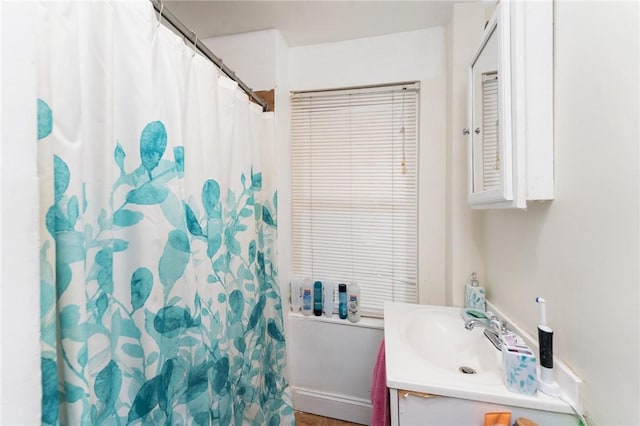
510 108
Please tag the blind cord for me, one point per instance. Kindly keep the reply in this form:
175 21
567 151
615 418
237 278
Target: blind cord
403 131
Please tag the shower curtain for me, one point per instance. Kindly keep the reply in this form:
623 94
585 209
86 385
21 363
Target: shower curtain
159 294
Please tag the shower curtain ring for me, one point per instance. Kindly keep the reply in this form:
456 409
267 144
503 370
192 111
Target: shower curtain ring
160 16
195 43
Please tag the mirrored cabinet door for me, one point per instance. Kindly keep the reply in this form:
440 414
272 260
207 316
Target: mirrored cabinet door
510 108
484 123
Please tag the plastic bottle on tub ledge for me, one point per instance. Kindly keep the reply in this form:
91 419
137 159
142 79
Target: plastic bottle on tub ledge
295 294
318 298
343 309
307 296
353 300
328 289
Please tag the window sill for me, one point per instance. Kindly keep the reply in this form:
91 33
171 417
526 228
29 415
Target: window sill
366 322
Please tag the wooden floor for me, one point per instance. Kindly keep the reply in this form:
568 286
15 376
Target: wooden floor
306 419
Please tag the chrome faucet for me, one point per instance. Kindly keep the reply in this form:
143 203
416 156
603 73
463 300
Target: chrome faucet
493 329
493 324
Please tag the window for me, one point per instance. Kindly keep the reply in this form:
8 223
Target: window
354 190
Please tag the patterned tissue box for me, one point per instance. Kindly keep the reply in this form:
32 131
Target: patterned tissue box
519 369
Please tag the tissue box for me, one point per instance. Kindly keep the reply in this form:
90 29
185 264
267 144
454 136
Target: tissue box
519 369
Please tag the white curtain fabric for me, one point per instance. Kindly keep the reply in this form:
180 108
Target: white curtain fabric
160 302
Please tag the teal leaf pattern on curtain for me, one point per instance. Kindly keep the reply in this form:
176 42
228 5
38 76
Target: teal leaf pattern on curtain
45 119
183 329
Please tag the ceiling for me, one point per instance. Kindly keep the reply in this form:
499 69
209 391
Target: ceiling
305 22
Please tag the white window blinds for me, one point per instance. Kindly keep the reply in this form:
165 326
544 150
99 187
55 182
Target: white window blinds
354 190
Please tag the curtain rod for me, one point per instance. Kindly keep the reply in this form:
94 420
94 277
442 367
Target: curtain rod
193 38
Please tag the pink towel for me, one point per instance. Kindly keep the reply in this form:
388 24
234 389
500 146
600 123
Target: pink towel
380 415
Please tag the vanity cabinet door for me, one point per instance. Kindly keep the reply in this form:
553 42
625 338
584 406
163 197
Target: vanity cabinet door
420 409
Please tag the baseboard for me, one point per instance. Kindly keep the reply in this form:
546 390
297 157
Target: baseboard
343 407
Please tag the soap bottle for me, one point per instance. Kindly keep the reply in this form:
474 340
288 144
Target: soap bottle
474 294
342 301
328 289
354 302
307 296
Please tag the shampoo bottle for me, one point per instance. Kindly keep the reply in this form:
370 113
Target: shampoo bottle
307 296
317 298
354 302
342 301
474 294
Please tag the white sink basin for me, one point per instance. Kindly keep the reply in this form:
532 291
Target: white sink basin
425 347
438 336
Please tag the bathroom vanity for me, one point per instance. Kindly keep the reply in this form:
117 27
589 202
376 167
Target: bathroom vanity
439 373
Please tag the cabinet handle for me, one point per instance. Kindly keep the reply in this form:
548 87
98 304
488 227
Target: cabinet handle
477 131
403 394
465 131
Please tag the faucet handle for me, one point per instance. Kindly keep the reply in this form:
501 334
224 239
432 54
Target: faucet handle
495 324
502 326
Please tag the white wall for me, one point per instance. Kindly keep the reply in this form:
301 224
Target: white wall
20 283
581 251
463 225
413 55
252 56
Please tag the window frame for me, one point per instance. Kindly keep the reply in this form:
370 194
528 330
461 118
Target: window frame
296 269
